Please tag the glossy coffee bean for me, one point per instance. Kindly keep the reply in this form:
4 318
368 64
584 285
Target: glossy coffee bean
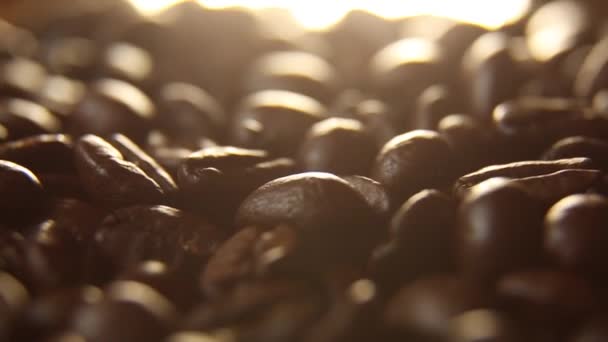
275 120
521 170
339 146
594 149
113 106
373 192
134 234
552 187
411 162
46 153
215 180
547 297
575 233
492 74
424 308
24 199
322 208
109 178
187 113
295 71
490 241
23 118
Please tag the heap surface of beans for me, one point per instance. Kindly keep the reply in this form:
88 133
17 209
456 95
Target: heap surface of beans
197 179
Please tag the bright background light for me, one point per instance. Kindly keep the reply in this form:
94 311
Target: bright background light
320 14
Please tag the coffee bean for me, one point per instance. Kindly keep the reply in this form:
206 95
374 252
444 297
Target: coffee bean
490 241
23 118
46 153
411 162
21 77
340 146
575 233
593 330
591 76
113 106
126 61
552 187
435 103
60 94
70 55
23 199
594 149
484 325
109 178
373 192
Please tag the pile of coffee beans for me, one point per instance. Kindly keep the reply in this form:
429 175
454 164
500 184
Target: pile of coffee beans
197 179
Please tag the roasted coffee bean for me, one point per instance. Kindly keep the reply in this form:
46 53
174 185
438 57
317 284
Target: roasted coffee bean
296 71
592 75
133 312
46 153
373 192
134 234
76 217
469 140
109 178
434 104
492 74
484 325
424 309
52 312
322 208
490 240
594 149
125 61
547 297
521 169
275 120
552 187
192 336
411 162
70 55
421 234
594 330
60 94
21 77
534 114
23 118
23 199
216 180
113 106
187 113
403 69
339 146
13 295
575 234
377 118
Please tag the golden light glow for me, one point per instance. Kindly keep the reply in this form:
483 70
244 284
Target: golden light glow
320 14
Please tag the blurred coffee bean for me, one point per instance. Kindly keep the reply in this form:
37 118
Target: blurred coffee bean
60 94
23 199
126 61
76 217
435 103
594 330
575 233
21 77
424 309
490 240
45 153
469 140
592 75
23 118
113 106
295 71
378 119
491 73
134 234
552 187
339 146
413 161
484 325
323 210
71 56
594 149
534 113
187 113
521 170
275 120
109 178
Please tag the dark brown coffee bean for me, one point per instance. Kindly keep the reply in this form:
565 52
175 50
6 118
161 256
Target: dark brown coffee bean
547 297
109 178
469 140
592 74
216 180
533 114
187 113
60 94
23 118
113 106
322 208
373 192
275 120
295 71
340 146
134 234
411 162
434 104
377 118
23 198
70 55
21 77
425 308
132 153
552 187
594 149
76 217
422 231
575 233
521 170
13 295
126 61
492 73
47 153
490 240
